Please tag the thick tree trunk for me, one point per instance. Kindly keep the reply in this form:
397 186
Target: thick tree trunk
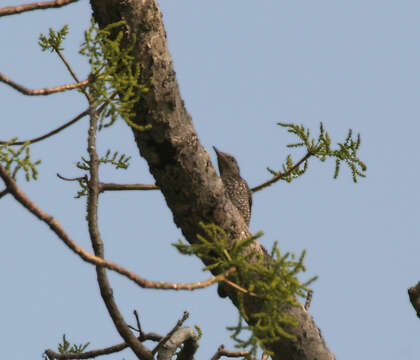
178 162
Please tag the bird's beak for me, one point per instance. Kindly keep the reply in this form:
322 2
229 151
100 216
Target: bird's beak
215 149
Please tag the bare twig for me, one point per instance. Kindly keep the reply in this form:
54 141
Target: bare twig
10 10
60 128
98 246
4 192
67 65
86 355
308 299
170 333
44 91
56 227
94 353
239 288
115 187
51 133
221 351
136 315
280 175
72 179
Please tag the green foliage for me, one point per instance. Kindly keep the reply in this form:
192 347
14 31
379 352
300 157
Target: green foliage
120 161
16 159
65 347
54 40
199 332
114 77
123 162
321 149
271 280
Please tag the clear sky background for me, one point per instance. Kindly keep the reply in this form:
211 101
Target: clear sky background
242 66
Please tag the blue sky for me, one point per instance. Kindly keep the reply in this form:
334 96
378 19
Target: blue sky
242 66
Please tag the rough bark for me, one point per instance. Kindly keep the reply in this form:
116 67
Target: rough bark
179 163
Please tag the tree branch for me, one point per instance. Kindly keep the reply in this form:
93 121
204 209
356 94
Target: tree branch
86 355
179 323
51 354
221 351
174 339
4 192
10 10
281 175
115 187
182 167
56 227
44 91
98 247
50 133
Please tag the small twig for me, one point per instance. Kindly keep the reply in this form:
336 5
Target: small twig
138 322
55 131
72 179
86 355
4 192
10 10
67 65
308 299
279 176
44 91
239 288
221 351
176 327
115 187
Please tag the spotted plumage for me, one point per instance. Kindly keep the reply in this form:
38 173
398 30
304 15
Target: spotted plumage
236 188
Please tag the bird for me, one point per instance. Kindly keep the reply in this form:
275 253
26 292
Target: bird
236 187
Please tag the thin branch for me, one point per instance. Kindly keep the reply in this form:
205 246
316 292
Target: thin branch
115 187
239 288
98 246
10 10
4 192
72 179
280 175
170 333
94 353
56 131
67 65
56 227
221 351
44 91
86 355
51 133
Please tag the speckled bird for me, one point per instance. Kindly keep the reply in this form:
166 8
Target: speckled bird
236 188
